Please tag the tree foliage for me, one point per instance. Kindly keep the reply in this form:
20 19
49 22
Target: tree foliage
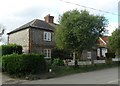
10 49
79 30
61 54
2 30
114 41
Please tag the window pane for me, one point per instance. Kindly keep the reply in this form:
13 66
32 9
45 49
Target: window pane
45 36
49 52
45 52
49 36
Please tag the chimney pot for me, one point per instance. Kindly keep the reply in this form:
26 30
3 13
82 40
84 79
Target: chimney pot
49 19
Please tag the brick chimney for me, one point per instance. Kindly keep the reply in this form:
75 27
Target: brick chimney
49 19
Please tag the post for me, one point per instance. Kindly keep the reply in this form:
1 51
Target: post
73 56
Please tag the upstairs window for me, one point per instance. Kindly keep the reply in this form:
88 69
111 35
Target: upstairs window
47 36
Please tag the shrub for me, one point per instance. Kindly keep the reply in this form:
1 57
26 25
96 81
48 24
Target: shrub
11 48
57 62
61 54
24 64
110 55
48 63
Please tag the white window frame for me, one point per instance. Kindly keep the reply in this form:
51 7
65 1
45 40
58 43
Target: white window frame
47 36
47 52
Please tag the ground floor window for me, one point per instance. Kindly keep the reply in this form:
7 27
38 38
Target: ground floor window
89 55
47 53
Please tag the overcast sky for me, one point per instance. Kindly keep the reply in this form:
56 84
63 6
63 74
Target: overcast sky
14 13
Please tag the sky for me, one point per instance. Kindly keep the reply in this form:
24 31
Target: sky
14 13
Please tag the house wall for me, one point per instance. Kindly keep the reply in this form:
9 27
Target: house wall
98 52
89 55
93 55
20 38
84 55
103 51
37 41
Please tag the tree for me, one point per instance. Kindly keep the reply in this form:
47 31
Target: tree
79 30
2 30
114 42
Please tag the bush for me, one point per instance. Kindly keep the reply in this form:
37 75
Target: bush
48 63
11 48
57 62
110 55
61 54
24 64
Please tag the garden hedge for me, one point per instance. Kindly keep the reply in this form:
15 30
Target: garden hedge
24 64
110 55
61 54
11 48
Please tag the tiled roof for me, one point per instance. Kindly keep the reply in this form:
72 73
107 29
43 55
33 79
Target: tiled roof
105 38
36 23
103 41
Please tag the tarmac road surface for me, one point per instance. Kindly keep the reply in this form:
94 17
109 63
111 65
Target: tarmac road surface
105 76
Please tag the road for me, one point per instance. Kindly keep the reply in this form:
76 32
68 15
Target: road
5 79
106 76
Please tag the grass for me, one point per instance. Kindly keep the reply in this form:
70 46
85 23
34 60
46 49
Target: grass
62 71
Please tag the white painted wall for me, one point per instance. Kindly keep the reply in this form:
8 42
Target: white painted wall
98 52
104 50
20 38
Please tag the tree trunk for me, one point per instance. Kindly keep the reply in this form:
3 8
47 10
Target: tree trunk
78 56
74 59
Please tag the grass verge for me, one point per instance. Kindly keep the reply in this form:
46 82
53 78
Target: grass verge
62 71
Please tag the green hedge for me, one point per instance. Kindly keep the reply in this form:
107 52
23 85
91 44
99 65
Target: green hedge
11 48
110 55
61 54
57 62
24 64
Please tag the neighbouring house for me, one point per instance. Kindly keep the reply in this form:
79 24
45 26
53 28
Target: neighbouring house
102 47
98 52
89 54
35 36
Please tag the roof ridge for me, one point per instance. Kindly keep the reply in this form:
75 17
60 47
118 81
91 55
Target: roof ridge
37 23
31 24
102 40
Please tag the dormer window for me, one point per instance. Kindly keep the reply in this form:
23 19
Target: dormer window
47 36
